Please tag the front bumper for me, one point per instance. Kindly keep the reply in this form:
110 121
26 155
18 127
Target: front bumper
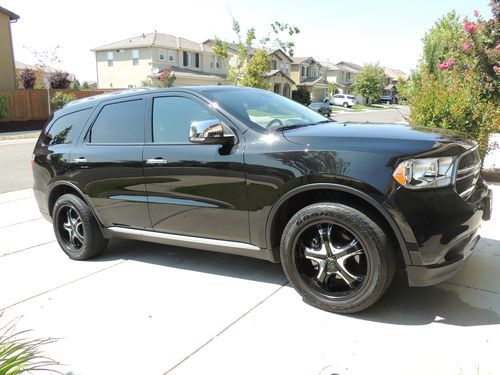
445 229
432 275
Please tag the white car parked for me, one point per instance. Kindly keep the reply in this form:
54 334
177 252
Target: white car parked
345 101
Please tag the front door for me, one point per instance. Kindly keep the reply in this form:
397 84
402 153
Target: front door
193 189
107 164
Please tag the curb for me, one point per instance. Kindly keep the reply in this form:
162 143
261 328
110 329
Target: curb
15 141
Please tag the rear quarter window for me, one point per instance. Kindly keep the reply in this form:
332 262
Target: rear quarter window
121 122
65 129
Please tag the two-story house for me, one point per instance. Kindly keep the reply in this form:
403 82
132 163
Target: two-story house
310 75
390 82
129 62
7 66
280 68
342 76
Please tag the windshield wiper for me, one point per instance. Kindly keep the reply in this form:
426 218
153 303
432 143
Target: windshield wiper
294 126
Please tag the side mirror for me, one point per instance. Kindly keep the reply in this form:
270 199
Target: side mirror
211 132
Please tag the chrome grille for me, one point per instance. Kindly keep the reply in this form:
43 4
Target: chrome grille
469 167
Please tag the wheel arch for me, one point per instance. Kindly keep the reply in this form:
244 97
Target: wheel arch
341 192
65 187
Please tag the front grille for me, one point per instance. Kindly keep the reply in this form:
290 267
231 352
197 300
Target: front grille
469 167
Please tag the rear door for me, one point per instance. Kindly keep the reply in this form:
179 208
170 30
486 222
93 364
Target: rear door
193 189
107 164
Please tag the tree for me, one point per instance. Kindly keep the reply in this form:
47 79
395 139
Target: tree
244 48
28 78
281 30
254 73
75 84
369 82
85 85
221 50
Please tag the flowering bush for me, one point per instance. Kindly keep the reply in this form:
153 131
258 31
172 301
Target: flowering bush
60 99
59 80
457 85
165 79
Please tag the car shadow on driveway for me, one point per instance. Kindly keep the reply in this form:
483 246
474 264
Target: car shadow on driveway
400 305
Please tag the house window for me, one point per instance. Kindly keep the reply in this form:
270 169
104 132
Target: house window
212 62
282 66
304 71
162 54
110 58
197 59
274 65
135 57
171 56
287 68
185 58
217 63
348 76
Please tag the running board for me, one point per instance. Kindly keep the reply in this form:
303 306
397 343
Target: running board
200 243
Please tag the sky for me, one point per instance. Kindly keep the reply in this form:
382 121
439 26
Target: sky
385 31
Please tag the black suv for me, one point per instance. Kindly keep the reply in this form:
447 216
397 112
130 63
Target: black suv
249 172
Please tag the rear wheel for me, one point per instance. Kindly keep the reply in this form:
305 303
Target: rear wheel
337 258
76 229
345 105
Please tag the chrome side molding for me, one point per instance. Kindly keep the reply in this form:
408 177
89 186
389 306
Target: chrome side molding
181 240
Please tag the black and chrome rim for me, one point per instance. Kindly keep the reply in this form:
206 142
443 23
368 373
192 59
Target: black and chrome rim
71 227
331 259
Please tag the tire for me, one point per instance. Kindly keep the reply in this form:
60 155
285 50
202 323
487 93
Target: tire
362 265
345 105
76 228
329 114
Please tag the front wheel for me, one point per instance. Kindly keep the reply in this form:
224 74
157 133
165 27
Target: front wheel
76 229
337 258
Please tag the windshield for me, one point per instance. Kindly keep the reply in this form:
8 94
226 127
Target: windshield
263 108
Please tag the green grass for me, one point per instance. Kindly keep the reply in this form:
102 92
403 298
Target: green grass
369 107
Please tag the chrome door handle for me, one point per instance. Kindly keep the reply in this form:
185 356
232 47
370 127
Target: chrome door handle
156 161
81 160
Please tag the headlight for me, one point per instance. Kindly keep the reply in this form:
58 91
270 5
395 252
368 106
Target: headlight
425 173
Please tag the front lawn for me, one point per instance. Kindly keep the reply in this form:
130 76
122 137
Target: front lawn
368 107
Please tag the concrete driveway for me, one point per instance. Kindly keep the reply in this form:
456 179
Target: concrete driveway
149 309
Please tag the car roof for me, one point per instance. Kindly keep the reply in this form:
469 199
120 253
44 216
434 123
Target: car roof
93 101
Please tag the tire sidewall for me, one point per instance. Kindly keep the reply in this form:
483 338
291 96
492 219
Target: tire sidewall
340 216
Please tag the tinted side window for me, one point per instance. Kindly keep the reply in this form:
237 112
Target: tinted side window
66 128
119 123
172 118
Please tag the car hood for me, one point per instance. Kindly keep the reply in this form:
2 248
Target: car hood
398 138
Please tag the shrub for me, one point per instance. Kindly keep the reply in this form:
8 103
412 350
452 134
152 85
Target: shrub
59 80
28 78
60 99
4 108
302 96
369 82
85 85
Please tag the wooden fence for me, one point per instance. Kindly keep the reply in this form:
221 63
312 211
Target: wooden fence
26 105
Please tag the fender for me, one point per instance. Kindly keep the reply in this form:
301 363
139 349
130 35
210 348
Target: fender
73 186
347 189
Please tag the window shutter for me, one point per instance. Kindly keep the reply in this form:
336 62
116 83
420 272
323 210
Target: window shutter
184 58
197 60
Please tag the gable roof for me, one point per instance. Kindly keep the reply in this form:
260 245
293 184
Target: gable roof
152 40
278 72
395 73
300 60
351 67
12 15
279 51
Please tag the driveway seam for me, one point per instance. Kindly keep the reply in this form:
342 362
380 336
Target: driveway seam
224 329
63 285
21 222
26 248
471 287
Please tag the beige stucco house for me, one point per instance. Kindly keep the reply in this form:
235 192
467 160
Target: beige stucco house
279 73
310 75
127 63
391 80
342 76
7 65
